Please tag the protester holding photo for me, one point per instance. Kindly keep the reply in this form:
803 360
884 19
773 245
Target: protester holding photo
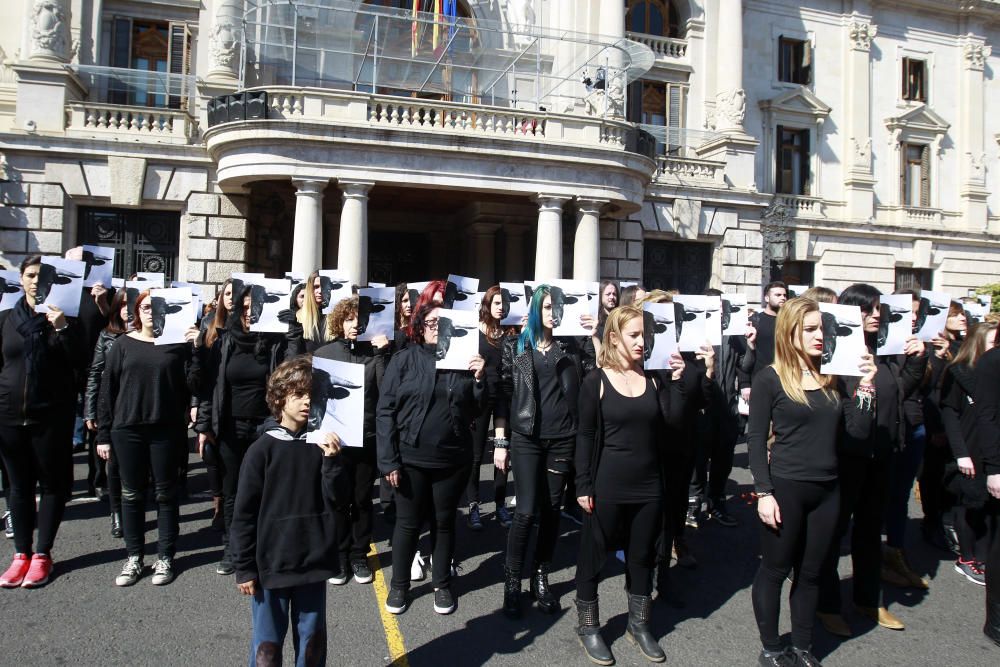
233 404
143 414
540 377
425 451
796 477
116 327
288 488
38 353
620 452
864 466
311 317
355 520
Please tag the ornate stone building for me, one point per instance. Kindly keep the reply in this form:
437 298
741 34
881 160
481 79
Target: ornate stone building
679 143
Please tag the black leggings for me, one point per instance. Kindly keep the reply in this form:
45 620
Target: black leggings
973 528
354 522
426 493
479 437
541 468
140 448
38 455
637 527
237 436
808 522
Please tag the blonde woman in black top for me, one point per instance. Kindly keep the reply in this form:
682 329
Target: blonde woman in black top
796 477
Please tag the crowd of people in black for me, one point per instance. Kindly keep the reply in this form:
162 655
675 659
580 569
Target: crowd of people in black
639 455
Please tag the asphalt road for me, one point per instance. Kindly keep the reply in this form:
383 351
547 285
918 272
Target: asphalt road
81 618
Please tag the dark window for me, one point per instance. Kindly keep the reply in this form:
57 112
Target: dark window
793 273
653 17
143 240
914 80
156 47
677 265
395 257
915 176
792 161
794 61
917 279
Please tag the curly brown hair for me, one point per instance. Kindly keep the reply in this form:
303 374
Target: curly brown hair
292 378
342 311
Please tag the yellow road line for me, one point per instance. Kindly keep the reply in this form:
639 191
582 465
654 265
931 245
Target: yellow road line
393 636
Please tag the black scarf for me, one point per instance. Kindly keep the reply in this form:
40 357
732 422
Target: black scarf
245 341
34 329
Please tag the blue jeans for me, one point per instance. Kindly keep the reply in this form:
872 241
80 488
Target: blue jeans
905 465
270 610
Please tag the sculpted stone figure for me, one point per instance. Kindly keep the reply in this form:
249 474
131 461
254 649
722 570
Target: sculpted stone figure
50 29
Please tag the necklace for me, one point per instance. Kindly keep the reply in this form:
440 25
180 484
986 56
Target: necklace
544 348
807 372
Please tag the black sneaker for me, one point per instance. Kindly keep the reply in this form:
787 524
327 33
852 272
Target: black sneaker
691 519
805 658
362 573
474 518
396 602
225 566
782 659
720 516
8 525
503 516
444 602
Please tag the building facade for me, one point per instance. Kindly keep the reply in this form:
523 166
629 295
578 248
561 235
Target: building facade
678 143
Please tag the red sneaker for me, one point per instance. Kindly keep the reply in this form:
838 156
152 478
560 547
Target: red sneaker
14 575
38 573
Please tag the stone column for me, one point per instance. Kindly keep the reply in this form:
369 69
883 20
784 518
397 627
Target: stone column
587 241
352 252
972 149
548 246
858 180
730 97
483 237
48 30
307 238
224 46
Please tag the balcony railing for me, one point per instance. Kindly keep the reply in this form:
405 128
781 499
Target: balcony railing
664 48
122 123
802 206
671 170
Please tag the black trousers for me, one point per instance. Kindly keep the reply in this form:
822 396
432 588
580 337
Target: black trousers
717 435
635 526
675 502
238 433
354 522
864 487
935 499
426 493
480 435
38 455
97 470
802 542
139 449
541 468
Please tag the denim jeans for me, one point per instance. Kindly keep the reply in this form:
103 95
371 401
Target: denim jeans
271 610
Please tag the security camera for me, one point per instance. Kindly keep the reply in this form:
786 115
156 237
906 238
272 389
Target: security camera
30 125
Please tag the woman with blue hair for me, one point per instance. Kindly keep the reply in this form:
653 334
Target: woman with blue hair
540 378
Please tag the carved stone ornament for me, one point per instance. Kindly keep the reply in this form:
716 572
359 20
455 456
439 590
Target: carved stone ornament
612 101
730 108
861 33
223 44
50 29
977 166
862 152
975 55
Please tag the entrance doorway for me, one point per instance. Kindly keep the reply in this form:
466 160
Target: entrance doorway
144 241
395 257
686 267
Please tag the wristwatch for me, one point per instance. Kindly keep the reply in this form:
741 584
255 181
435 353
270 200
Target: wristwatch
501 443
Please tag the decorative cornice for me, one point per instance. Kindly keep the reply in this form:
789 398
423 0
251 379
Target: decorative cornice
861 33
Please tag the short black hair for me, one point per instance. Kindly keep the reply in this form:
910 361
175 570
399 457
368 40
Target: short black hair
775 284
711 291
30 261
860 294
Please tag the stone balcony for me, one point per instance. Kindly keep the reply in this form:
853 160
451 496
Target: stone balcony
130 124
682 171
802 206
292 132
668 51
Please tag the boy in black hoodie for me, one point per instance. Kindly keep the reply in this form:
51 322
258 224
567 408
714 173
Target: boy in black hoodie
283 529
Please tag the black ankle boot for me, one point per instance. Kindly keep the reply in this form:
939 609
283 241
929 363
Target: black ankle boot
589 632
639 608
116 524
511 593
805 658
540 590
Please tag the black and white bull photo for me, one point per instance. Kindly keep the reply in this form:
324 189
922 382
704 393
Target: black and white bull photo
457 340
10 289
698 321
932 314
161 309
460 292
895 315
172 310
100 263
659 335
333 287
60 282
336 401
843 339
376 312
570 301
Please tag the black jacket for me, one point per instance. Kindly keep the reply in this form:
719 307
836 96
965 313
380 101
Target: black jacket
405 395
733 366
374 361
29 398
519 386
215 394
105 340
987 410
284 528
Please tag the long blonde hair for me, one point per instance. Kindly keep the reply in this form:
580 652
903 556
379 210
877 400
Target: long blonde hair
309 315
974 345
789 358
617 319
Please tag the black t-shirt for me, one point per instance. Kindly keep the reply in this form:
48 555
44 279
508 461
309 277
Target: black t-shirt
438 446
629 469
554 420
765 341
247 379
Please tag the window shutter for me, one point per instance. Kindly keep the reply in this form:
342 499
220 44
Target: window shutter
806 63
675 113
925 176
903 169
779 166
121 56
805 165
906 79
179 57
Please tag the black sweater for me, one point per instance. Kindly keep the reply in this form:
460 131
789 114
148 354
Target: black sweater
805 437
957 411
987 410
764 343
284 534
355 352
144 384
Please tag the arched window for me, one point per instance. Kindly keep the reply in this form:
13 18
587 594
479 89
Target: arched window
653 17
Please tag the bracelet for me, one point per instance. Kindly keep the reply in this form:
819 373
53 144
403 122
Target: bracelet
501 443
865 397
765 494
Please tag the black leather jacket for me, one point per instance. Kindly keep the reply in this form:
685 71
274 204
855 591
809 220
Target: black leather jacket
105 340
519 386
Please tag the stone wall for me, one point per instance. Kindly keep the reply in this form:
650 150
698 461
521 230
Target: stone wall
213 238
31 221
621 250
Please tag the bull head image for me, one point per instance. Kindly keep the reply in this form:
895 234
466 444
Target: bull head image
92 260
560 298
651 325
8 288
160 308
366 306
328 286
452 293
682 315
48 276
887 315
925 310
833 329
258 297
506 298
326 387
446 331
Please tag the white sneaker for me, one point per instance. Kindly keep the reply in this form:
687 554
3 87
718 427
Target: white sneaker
131 571
163 572
417 568
455 569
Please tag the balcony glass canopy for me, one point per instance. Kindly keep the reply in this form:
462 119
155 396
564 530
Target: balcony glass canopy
343 45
